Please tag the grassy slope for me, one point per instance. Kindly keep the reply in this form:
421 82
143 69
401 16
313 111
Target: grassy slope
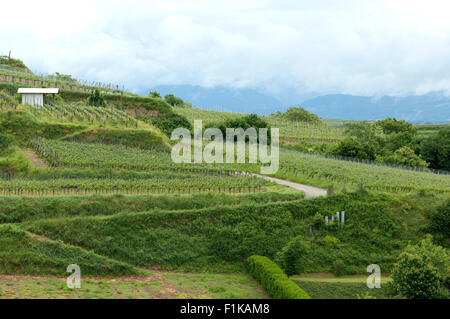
19 209
217 239
21 252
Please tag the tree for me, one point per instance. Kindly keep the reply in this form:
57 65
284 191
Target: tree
292 257
363 131
420 270
439 224
173 100
155 95
299 114
392 125
436 149
406 156
351 147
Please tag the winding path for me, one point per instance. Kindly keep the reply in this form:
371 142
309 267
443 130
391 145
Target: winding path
310 191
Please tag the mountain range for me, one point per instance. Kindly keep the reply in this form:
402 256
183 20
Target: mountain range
433 107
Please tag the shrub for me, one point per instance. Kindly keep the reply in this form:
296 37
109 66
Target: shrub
420 270
351 147
170 122
273 279
173 100
299 114
338 268
415 278
291 257
439 224
406 156
5 142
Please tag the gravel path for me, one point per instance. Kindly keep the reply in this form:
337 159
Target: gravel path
310 191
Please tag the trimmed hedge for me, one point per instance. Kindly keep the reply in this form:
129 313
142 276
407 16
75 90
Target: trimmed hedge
273 279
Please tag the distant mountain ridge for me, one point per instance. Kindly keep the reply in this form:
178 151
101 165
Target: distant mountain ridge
428 108
223 98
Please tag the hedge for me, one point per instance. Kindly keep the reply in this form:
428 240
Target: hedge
273 279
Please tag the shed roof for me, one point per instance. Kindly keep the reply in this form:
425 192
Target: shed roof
38 90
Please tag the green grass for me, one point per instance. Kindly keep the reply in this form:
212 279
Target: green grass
19 209
21 252
156 285
218 239
346 287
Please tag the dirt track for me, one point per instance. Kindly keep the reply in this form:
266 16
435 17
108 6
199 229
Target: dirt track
310 191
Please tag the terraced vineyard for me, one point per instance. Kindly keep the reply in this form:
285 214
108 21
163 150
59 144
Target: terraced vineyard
74 154
172 183
15 74
288 130
328 172
84 114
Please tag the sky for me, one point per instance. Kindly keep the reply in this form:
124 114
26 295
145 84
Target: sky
352 47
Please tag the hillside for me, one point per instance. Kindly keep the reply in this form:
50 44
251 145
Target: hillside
96 186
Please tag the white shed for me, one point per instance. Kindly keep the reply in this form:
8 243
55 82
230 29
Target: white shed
35 96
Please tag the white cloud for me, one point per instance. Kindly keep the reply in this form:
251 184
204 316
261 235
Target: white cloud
358 47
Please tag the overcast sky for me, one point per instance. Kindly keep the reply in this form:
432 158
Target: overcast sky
355 47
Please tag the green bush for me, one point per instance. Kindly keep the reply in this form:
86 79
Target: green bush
5 143
291 257
421 271
167 123
338 268
439 224
273 279
415 278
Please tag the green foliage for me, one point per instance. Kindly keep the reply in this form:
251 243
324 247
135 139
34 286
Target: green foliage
351 147
20 252
244 122
170 122
219 238
406 157
299 114
23 126
415 278
291 257
173 100
419 271
439 223
6 60
155 95
338 268
392 125
18 209
14 165
329 288
436 149
6 141
143 139
96 99
273 279
363 131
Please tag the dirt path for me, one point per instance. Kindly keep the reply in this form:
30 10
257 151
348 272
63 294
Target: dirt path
310 191
34 159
